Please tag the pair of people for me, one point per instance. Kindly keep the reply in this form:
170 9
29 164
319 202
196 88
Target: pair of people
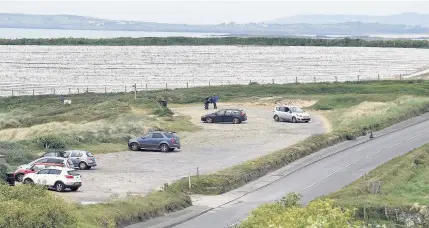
213 99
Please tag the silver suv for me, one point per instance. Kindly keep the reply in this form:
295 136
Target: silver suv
290 113
157 140
81 158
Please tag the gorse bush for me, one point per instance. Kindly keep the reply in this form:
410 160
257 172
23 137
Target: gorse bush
26 206
50 141
319 213
16 153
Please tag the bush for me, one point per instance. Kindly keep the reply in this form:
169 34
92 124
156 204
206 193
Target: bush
163 111
26 206
15 153
50 141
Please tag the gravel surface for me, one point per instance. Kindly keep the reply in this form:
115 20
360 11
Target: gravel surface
215 147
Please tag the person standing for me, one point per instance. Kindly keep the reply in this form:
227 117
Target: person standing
207 102
214 100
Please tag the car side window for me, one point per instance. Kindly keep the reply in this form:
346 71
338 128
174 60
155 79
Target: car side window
80 154
148 136
277 108
157 136
286 109
53 160
43 160
43 171
74 154
228 112
54 171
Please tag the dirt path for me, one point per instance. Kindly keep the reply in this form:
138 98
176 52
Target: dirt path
215 147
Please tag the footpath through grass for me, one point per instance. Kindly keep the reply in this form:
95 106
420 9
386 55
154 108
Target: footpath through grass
357 107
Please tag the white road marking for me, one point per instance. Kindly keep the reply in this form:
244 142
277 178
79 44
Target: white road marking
414 136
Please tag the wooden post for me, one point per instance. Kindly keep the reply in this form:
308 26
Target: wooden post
77 90
135 91
358 77
198 172
189 180
105 89
166 86
69 91
273 81
400 76
187 85
33 92
12 92
336 79
87 89
378 76
209 82
146 86
54 91
125 87
314 79
296 80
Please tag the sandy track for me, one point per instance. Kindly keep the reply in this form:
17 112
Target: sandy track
215 147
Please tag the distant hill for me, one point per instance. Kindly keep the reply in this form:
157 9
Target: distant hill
411 19
251 29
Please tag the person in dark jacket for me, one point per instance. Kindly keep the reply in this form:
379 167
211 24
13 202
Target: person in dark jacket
207 101
215 98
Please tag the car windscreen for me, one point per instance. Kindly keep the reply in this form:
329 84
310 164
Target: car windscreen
297 110
89 154
70 162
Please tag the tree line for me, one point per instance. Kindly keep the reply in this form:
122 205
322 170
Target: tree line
190 41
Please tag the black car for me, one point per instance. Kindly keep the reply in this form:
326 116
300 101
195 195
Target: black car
235 116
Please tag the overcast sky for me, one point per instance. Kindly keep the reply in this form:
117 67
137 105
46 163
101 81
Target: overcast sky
209 12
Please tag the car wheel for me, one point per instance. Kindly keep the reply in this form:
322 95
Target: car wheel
73 189
82 165
209 120
59 187
235 121
171 149
28 181
19 177
89 167
164 147
293 119
307 121
134 146
276 118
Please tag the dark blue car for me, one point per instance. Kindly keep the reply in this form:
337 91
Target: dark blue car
234 116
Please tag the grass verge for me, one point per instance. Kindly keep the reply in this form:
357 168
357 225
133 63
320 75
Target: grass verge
403 197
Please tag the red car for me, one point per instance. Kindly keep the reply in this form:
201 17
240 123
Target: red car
41 162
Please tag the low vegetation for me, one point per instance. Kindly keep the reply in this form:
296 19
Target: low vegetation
189 41
403 197
33 206
31 123
289 213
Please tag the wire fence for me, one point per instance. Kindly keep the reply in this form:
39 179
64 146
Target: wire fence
16 89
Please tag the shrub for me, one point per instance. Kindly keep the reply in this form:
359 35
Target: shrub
163 111
15 153
50 141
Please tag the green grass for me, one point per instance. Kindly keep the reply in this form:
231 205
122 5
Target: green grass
405 186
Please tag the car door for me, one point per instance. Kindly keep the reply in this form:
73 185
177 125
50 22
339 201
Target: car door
41 177
145 141
229 114
219 116
287 114
52 176
75 158
157 138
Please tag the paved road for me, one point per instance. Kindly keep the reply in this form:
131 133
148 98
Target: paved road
317 179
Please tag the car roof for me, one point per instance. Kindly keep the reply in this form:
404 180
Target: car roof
290 106
53 157
150 132
75 151
58 168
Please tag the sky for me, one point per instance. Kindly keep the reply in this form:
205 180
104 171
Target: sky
208 12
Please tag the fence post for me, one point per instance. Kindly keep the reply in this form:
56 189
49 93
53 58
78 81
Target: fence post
87 89
77 90
105 89
69 91
358 77
187 85
189 180
296 80
273 81
336 79
209 82
146 87
166 86
400 76
33 92
135 91
54 91
314 79
125 88
378 76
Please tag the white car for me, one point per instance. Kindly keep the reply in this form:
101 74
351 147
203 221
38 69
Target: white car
290 113
55 177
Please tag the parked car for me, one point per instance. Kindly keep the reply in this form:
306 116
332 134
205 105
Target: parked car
290 113
55 177
157 140
60 154
81 158
44 161
235 116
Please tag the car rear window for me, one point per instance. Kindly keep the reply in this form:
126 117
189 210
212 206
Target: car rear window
73 172
89 154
